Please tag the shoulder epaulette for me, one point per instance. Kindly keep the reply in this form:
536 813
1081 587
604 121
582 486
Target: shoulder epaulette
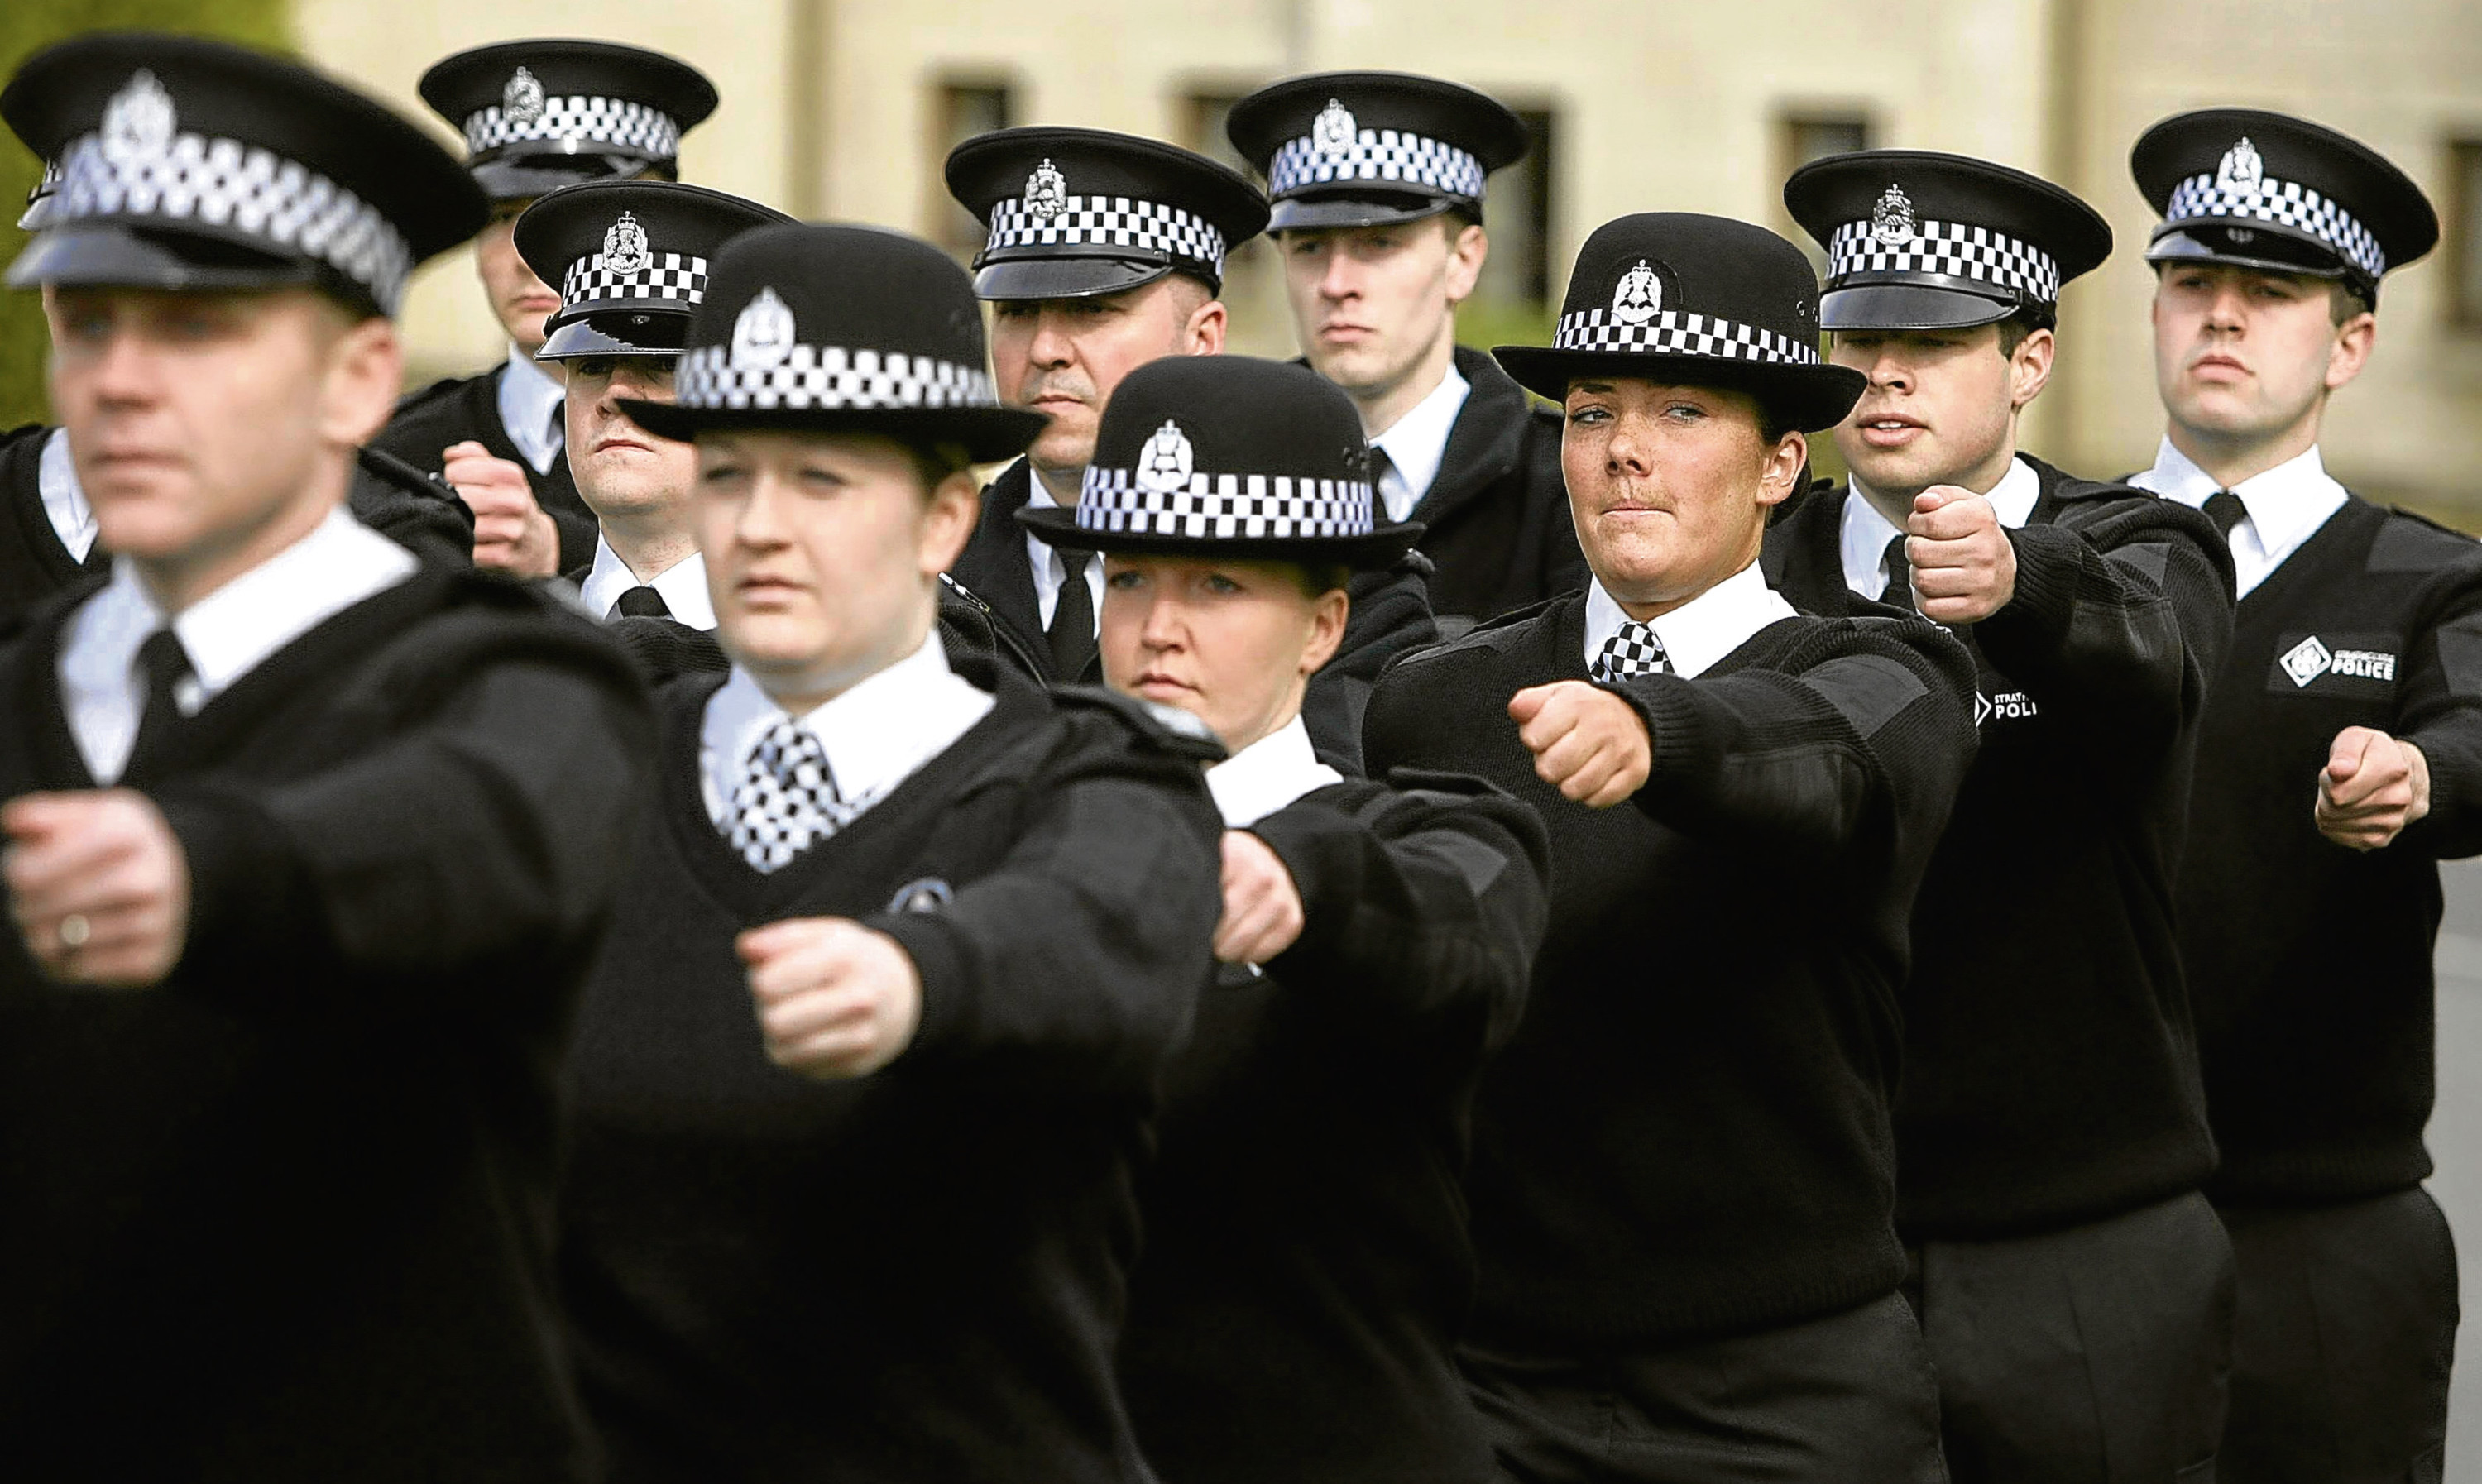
2410 542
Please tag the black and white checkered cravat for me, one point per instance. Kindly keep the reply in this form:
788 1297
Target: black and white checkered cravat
786 801
1634 650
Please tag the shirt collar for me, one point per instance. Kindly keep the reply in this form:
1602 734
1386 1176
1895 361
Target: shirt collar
65 501
528 396
1700 632
1420 439
1267 775
2285 503
875 735
682 586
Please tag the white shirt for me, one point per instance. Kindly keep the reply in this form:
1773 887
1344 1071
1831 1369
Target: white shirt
1049 570
530 409
1866 532
1267 775
226 633
1417 442
63 497
1700 632
876 735
2287 506
682 586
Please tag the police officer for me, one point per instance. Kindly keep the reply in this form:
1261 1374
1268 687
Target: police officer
1106 252
536 116
2340 761
307 843
2074 1287
1376 181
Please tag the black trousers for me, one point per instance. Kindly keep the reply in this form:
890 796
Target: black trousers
2347 1327
2097 1355
1847 1399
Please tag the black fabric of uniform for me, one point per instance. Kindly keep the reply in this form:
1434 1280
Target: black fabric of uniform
463 409
2347 1331
915 1274
2051 1073
1306 1270
665 649
1844 1400
2309 962
1390 615
287 1215
1495 519
34 564
2094 1353
1688 1133
165 664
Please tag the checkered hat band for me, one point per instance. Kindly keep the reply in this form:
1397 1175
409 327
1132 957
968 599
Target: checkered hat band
680 277
1376 155
1951 248
225 183
821 378
2286 205
1672 332
1252 507
616 121
1109 221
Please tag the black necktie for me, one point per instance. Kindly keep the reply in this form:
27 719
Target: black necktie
641 602
1379 464
1073 619
2226 510
165 664
1899 591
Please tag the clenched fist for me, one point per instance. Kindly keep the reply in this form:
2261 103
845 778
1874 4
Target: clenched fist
2373 785
1588 743
99 885
511 534
836 1000
1262 907
1965 567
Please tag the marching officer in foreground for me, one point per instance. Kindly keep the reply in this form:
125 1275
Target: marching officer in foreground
1376 181
1305 1272
537 116
2074 1288
1684 1184
307 843
2340 762
1106 252
859 1084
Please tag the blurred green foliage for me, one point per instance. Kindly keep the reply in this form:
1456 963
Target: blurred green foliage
26 27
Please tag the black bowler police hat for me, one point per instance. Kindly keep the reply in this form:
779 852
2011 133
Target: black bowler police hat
1228 456
1922 241
1076 212
631 259
540 114
816 328
2259 190
1693 300
1367 148
189 164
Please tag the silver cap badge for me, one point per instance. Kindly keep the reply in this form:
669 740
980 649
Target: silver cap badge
2241 170
137 123
624 246
1334 131
1047 192
1639 297
1165 464
1891 221
762 336
521 101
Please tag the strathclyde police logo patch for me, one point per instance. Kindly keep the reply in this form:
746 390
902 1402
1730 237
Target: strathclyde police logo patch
2335 664
2307 661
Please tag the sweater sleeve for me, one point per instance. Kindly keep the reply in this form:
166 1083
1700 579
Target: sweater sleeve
1089 942
2118 619
1817 758
494 828
1423 897
2438 701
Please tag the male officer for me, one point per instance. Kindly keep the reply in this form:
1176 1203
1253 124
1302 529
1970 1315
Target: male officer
536 116
2074 1286
2341 758
1106 252
307 844
1376 186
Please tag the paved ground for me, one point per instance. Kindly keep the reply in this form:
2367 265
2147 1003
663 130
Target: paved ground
2456 1144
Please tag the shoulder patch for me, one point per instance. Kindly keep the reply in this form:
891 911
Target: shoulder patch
1868 690
2408 543
1170 727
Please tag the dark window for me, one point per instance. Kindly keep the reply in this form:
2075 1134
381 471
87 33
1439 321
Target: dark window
1804 134
1516 207
966 107
2461 235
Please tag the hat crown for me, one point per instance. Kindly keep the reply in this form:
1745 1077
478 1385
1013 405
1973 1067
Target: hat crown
1679 283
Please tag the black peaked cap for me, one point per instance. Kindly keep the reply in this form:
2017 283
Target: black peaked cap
1228 456
192 164
539 114
1917 240
1076 212
1367 148
630 260
837 329
1693 300
2262 190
